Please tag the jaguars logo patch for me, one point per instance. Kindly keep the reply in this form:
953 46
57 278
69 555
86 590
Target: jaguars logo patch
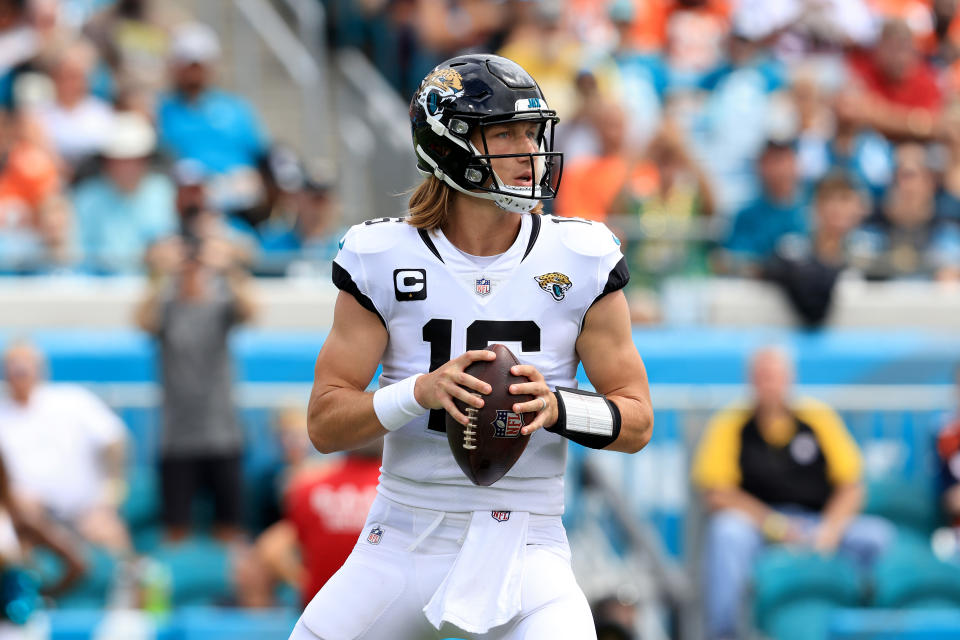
554 283
442 85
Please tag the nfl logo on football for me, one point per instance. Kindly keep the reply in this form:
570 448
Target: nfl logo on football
483 286
374 536
507 424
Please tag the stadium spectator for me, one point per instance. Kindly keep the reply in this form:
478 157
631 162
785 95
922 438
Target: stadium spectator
28 177
907 238
304 237
539 42
745 87
19 529
948 457
781 470
596 186
198 294
65 451
778 211
669 196
898 93
200 122
326 501
807 268
133 37
76 122
127 206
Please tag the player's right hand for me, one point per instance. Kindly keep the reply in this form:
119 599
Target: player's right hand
437 389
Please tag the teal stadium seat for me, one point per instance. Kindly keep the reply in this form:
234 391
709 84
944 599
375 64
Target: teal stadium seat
796 592
91 590
204 623
909 576
199 571
910 505
141 508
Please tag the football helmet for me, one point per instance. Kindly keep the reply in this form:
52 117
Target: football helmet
466 94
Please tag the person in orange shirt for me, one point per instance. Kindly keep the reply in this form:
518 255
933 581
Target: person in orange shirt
28 176
592 185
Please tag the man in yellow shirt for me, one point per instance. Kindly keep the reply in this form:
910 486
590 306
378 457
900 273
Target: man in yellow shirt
781 470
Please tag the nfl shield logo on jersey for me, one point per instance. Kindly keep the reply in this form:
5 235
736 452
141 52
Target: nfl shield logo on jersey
500 516
375 534
507 424
483 286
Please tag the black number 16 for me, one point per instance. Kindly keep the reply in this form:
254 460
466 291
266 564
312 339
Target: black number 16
480 333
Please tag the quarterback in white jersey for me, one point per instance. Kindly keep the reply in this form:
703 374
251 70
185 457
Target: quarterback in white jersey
474 263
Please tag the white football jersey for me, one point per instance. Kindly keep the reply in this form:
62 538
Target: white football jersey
437 302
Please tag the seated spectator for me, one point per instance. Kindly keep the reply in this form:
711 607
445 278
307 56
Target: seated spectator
907 239
670 203
828 141
746 87
65 451
28 178
594 186
807 268
76 122
305 239
20 530
133 37
778 211
128 206
898 93
781 470
325 507
948 458
200 122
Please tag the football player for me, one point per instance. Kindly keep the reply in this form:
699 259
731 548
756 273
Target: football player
473 263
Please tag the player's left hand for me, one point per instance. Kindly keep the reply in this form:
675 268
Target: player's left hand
544 403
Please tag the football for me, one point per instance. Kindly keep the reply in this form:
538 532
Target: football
490 445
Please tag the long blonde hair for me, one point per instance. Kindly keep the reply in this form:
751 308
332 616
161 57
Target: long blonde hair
431 202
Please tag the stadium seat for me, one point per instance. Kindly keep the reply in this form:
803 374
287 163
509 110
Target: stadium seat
796 591
909 576
910 505
199 571
93 587
203 623
142 505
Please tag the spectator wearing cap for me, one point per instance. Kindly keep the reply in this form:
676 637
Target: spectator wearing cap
200 122
304 228
128 206
778 210
76 122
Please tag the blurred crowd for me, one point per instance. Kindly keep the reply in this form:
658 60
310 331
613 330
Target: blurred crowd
790 140
795 141
116 139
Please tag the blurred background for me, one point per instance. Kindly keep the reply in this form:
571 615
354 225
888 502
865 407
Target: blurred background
175 176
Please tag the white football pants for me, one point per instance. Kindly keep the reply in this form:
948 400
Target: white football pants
380 591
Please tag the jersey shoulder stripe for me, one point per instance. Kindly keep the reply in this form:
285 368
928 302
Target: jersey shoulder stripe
585 237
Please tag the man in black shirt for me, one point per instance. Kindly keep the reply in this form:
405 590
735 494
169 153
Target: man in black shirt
780 470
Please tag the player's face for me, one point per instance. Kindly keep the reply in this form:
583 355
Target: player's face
509 138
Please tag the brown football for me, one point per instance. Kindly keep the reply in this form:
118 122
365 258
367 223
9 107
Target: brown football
488 447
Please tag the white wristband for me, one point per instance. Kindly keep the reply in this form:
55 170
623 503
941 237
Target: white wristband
396 405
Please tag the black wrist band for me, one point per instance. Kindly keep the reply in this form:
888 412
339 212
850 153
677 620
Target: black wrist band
587 418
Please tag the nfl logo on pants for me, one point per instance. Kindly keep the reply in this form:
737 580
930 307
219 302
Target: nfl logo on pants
374 536
500 516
